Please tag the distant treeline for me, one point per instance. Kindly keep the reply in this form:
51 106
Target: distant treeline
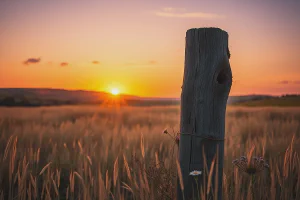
250 100
282 101
24 102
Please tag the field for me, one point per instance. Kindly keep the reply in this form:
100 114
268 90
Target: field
89 152
284 101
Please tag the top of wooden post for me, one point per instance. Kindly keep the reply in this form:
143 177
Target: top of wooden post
207 28
215 38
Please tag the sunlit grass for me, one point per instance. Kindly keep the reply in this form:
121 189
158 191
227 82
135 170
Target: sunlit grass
91 152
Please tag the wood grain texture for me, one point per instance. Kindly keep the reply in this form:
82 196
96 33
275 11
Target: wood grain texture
206 85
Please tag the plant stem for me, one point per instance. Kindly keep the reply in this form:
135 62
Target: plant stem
196 179
252 184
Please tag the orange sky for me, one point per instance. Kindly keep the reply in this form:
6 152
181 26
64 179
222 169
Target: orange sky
138 46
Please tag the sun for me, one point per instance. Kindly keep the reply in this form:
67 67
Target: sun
115 91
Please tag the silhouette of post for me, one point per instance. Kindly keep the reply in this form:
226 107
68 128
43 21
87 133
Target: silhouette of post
206 85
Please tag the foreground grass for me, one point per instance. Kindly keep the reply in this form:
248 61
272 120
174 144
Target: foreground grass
101 153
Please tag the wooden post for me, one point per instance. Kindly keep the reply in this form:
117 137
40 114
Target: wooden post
206 85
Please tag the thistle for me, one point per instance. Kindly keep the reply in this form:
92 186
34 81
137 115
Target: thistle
251 166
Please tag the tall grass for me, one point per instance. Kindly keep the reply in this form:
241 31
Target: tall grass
89 152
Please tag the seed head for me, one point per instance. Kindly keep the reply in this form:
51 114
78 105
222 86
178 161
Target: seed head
251 167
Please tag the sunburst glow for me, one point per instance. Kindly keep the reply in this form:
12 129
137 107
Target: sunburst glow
115 91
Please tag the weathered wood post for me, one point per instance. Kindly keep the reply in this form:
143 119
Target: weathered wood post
206 84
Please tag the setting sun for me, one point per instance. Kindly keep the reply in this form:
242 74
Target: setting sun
115 91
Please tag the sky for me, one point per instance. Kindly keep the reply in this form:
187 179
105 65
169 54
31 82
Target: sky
138 46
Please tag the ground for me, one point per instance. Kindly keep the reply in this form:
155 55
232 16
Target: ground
92 152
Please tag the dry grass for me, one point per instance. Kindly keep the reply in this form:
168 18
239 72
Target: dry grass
91 152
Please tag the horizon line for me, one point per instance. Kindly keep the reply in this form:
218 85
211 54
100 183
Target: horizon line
144 97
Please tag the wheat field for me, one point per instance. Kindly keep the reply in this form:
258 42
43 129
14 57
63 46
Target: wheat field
90 152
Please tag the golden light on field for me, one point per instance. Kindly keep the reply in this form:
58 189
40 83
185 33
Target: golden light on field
115 91
115 99
120 129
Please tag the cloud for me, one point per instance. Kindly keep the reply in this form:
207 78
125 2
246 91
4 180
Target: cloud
95 62
182 13
64 64
285 82
32 61
170 9
150 62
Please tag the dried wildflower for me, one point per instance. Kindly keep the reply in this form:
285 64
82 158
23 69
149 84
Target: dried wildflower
252 165
195 173
177 139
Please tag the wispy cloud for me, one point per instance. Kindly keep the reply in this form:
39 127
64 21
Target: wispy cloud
150 62
171 9
95 62
285 82
64 64
32 61
183 13
297 82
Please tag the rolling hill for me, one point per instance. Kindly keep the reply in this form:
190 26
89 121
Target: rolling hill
282 101
51 97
